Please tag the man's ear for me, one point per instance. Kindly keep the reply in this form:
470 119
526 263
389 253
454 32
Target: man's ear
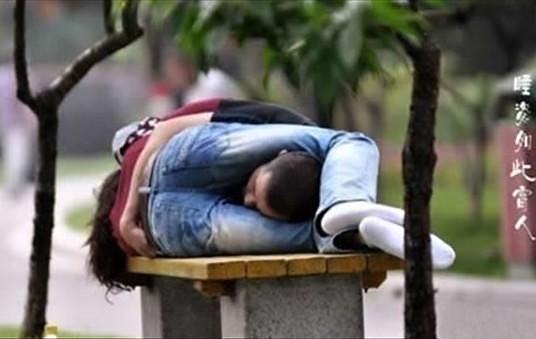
283 151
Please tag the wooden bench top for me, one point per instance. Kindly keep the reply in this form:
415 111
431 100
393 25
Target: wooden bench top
265 266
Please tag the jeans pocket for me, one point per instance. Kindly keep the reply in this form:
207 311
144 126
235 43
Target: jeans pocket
180 230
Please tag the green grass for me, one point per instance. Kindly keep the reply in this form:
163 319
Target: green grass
85 165
13 332
478 247
79 216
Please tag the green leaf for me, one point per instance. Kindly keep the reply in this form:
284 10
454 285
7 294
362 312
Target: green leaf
161 9
291 72
398 19
434 3
270 61
325 45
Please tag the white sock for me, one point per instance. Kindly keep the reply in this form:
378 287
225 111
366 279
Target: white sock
389 237
351 213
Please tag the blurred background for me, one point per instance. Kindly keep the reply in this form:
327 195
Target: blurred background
483 50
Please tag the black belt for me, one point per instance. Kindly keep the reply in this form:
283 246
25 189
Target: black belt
144 216
143 194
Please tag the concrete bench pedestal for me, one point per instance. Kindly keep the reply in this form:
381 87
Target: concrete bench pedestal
171 308
296 307
283 296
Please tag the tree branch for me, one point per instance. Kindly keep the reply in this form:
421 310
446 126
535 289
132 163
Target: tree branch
443 17
409 47
414 5
437 17
107 17
99 51
19 56
129 17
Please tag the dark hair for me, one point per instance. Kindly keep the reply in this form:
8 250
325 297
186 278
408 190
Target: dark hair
293 189
106 260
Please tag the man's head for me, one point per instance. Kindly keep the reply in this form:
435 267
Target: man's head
286 188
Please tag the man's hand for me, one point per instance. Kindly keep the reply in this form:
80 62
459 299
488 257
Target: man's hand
135 237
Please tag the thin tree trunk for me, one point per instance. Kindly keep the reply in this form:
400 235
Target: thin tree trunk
348 111
418 160
323 111
45 106
479 175
43 223
376 113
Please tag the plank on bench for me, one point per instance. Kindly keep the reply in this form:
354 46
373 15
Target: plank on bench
263 266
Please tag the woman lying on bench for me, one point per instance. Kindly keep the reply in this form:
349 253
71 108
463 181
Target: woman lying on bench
212 187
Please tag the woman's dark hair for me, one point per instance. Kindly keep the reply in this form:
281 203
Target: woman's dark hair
293 189
106 260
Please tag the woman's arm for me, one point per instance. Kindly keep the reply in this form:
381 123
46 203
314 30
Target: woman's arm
130 231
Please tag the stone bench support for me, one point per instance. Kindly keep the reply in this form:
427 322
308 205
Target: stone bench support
291 296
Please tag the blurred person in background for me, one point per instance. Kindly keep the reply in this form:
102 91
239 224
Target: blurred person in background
182 83
17 128
214 83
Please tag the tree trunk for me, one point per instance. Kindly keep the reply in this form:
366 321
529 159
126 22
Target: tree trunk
376 113
45 105
348 112
479 175
154 47
418 160
43 223
323 111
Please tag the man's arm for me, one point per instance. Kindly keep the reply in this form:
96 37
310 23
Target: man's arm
130 231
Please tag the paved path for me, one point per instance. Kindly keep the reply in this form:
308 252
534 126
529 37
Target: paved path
76 302
466 307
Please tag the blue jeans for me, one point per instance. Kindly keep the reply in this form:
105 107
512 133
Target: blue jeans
192 211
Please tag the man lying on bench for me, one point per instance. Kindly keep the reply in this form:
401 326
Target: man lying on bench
212 187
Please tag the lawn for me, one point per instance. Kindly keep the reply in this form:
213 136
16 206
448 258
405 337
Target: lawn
78 217
13 332
85 165
478 247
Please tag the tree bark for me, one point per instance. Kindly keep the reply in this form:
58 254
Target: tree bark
323 111
479 173
43 223
418 160
45 106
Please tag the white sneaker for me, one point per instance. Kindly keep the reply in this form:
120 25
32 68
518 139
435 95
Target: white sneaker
389 237
348 213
